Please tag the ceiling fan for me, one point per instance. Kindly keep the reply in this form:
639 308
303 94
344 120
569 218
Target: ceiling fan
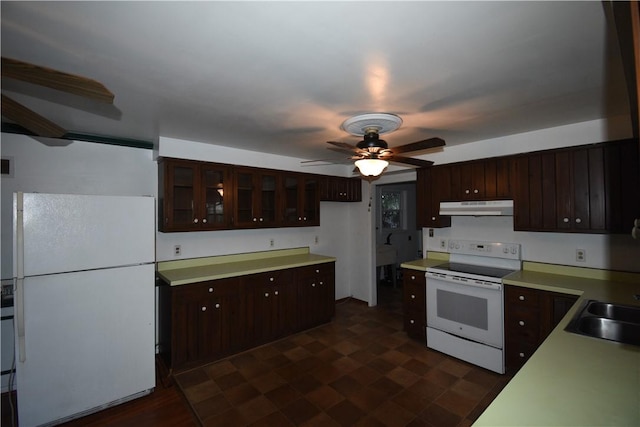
54 79
373 154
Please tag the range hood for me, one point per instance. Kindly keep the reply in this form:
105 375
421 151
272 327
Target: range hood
477 208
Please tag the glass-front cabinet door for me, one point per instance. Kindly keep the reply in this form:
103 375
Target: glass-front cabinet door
193 195
216 195
255 204
180 188
301 200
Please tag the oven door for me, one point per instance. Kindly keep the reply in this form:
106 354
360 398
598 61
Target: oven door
465 308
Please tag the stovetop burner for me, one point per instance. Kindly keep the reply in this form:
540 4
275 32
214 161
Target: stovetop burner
478 270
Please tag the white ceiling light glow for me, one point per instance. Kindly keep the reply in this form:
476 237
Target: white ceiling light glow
371 167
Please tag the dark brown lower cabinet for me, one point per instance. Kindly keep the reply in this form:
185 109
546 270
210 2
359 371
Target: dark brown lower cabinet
203 322
529 317
414 303
316 295
268 306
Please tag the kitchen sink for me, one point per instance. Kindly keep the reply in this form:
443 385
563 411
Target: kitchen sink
615 311
613 322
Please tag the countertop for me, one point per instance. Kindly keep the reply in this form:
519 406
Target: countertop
433 259
183 272
573 380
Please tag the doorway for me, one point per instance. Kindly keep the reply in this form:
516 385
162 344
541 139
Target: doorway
397 238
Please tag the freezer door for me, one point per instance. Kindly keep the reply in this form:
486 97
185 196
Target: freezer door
63 232
89 341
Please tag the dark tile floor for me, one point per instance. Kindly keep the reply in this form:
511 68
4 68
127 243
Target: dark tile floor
359 370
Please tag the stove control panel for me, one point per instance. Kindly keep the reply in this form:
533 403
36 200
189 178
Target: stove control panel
486 249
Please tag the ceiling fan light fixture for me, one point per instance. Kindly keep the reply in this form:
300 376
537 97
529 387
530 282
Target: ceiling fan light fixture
371 167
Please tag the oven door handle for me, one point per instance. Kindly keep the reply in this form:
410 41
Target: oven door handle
464 281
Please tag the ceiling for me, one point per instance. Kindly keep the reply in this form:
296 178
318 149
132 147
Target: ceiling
281 77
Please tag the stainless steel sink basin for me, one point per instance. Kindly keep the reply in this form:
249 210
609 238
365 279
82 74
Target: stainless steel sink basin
615 312
607 321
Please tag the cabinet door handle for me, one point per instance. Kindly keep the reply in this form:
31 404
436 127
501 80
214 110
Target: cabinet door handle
412 321
413 277
217 305
271 279
195 220
466 191
299 218
578 220
275 293
313 285
317 271
305 218
475 191
321 282
521 297
266 294
565 220
413 296
261 219
210 290
204 220
433 218
521 323
521 354
255 219
203 308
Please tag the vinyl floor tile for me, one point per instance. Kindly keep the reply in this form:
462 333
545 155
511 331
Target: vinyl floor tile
359 370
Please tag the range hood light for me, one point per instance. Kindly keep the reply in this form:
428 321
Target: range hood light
371 167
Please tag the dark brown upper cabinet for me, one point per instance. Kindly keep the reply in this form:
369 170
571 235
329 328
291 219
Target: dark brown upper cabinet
194 195
339 189
301 200
480 179
585 189
432 186
256 196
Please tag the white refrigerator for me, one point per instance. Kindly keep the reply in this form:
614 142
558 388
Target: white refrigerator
84 303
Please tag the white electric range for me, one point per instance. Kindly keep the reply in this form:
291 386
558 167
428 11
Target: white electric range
465 301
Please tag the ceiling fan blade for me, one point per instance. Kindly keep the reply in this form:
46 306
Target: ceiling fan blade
344 145
410 161
349 152
418 146
29 119
43 76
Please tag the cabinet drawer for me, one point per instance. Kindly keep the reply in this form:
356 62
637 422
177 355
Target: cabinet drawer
518 296
517 353
415 323
317 270
213 288
414 299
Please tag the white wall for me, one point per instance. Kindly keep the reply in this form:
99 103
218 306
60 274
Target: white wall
610 252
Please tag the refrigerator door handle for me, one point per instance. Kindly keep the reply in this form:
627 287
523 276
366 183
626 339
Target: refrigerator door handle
19 285
19 312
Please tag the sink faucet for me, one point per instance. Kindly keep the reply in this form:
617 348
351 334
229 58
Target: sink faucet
389 239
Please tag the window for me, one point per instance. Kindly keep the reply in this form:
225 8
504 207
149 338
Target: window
392 212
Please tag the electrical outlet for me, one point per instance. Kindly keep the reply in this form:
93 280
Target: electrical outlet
271 243
177 250
581 255
443 244
316 240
